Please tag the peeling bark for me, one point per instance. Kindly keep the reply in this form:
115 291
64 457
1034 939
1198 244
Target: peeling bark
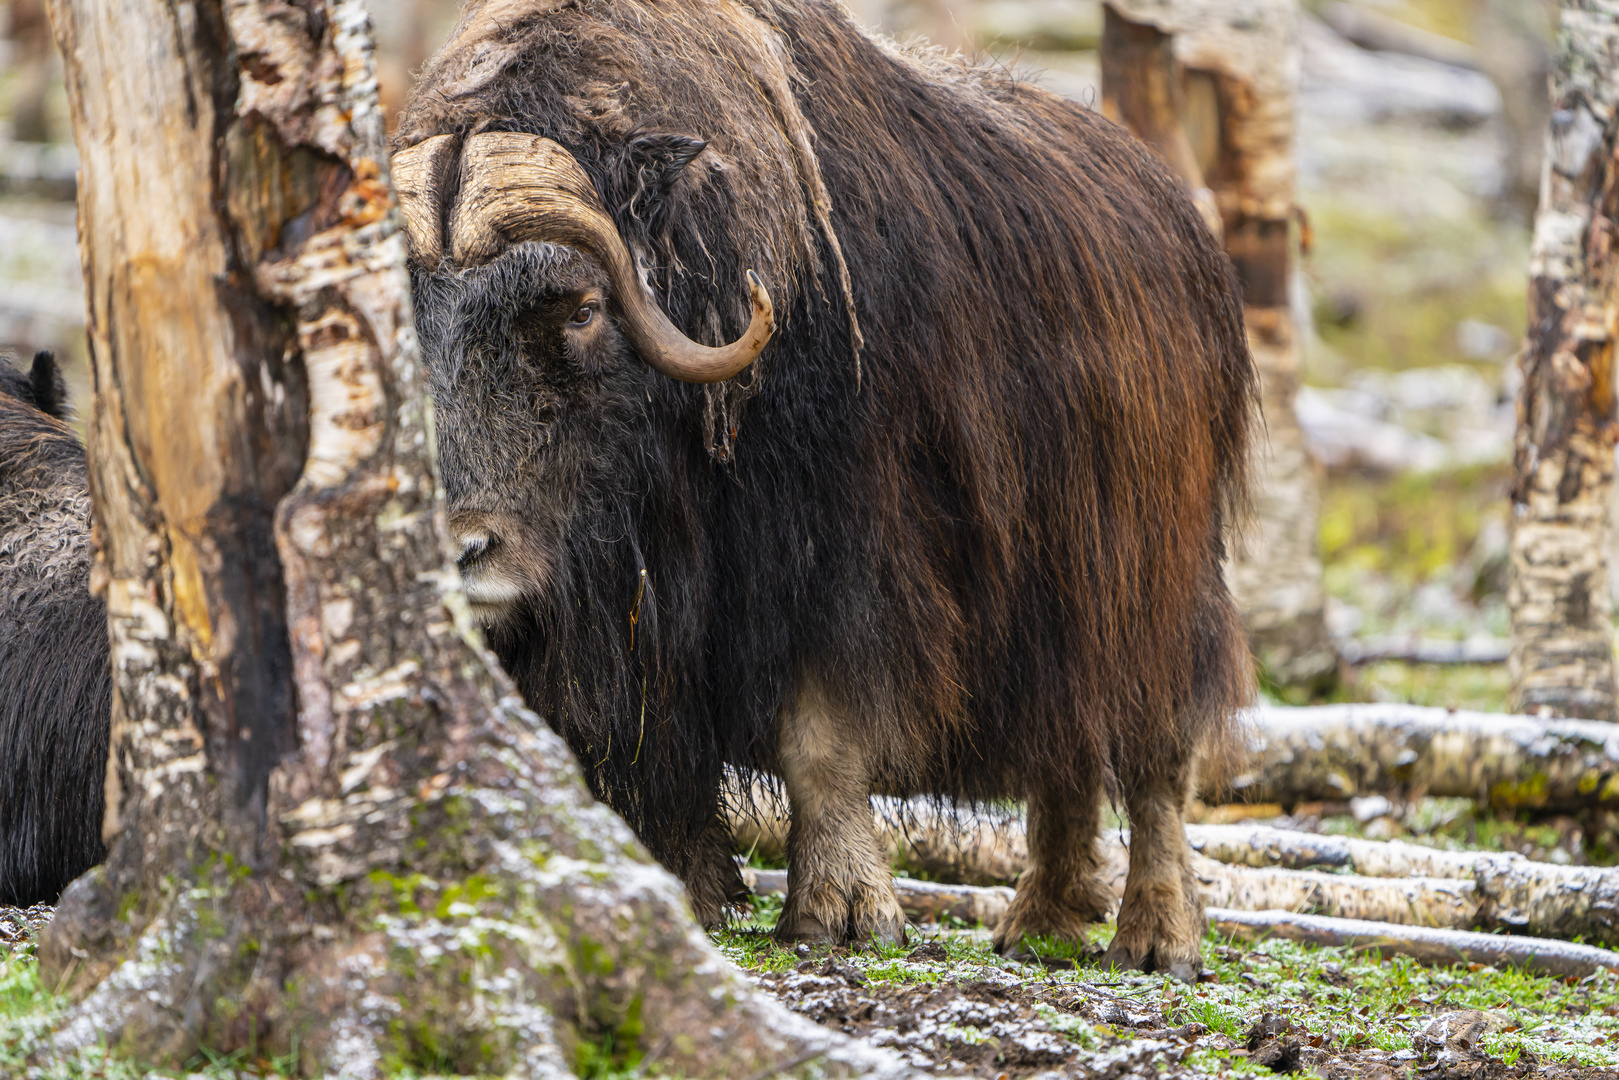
1209 85
1511 892
405 870
1561 658
1401 901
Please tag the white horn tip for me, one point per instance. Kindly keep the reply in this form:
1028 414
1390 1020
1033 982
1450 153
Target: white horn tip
761 299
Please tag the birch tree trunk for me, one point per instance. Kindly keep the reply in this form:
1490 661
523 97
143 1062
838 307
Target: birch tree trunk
333 827
1561 658
1220 112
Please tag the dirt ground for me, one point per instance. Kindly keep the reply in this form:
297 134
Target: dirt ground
952 1007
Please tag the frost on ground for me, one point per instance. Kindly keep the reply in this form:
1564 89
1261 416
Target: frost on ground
953 1007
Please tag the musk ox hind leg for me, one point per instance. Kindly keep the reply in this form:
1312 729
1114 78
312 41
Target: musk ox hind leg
1161 919
1062 891
839 885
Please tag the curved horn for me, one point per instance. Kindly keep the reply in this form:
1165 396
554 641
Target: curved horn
517 187
421 175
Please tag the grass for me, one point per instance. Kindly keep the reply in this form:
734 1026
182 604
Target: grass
1357 998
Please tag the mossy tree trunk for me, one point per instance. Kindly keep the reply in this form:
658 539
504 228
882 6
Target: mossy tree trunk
1209 85
332 825
1561 658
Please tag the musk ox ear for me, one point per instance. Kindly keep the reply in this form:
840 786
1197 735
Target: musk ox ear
647 168
42 386
48 386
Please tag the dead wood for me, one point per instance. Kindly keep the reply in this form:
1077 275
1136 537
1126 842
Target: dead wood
922 901
1373 30
1508 762
1422 651
1424 944
1257 868
1562 493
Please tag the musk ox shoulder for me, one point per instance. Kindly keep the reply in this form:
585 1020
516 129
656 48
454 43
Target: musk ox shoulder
848 414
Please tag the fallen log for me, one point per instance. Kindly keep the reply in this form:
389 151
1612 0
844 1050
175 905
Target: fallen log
1383 33
1511 892
922 901
1424 944
1408 650
1509 762
1257 868
1447 902
1263 845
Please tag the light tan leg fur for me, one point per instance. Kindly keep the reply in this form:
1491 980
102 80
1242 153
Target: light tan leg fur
1161 920
839 885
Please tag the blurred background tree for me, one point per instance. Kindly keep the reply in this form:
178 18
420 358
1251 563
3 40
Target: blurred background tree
1561 660
1210 84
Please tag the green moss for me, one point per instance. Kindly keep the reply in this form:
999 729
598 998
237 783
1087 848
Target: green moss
462 898
1528 792
589 958
616 1053
420 1045
398 895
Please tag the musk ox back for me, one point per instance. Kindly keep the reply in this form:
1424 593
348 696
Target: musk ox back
956 531
55 683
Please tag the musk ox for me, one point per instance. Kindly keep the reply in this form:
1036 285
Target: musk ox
946 516
55 682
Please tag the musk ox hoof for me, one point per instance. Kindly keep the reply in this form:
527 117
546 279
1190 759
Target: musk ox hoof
1034 916
1147 948
828 915
716 891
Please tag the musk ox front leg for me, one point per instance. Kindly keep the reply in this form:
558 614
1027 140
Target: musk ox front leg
839 885
714 885
1063 889
1161 920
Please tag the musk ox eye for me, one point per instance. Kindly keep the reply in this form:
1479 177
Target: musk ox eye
583 315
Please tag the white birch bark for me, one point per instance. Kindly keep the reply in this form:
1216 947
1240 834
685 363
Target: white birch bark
1561 658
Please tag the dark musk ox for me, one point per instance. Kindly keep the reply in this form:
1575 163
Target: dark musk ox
947 515
55 682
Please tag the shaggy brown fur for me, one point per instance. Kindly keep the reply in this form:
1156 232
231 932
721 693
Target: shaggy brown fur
55 682
977 557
